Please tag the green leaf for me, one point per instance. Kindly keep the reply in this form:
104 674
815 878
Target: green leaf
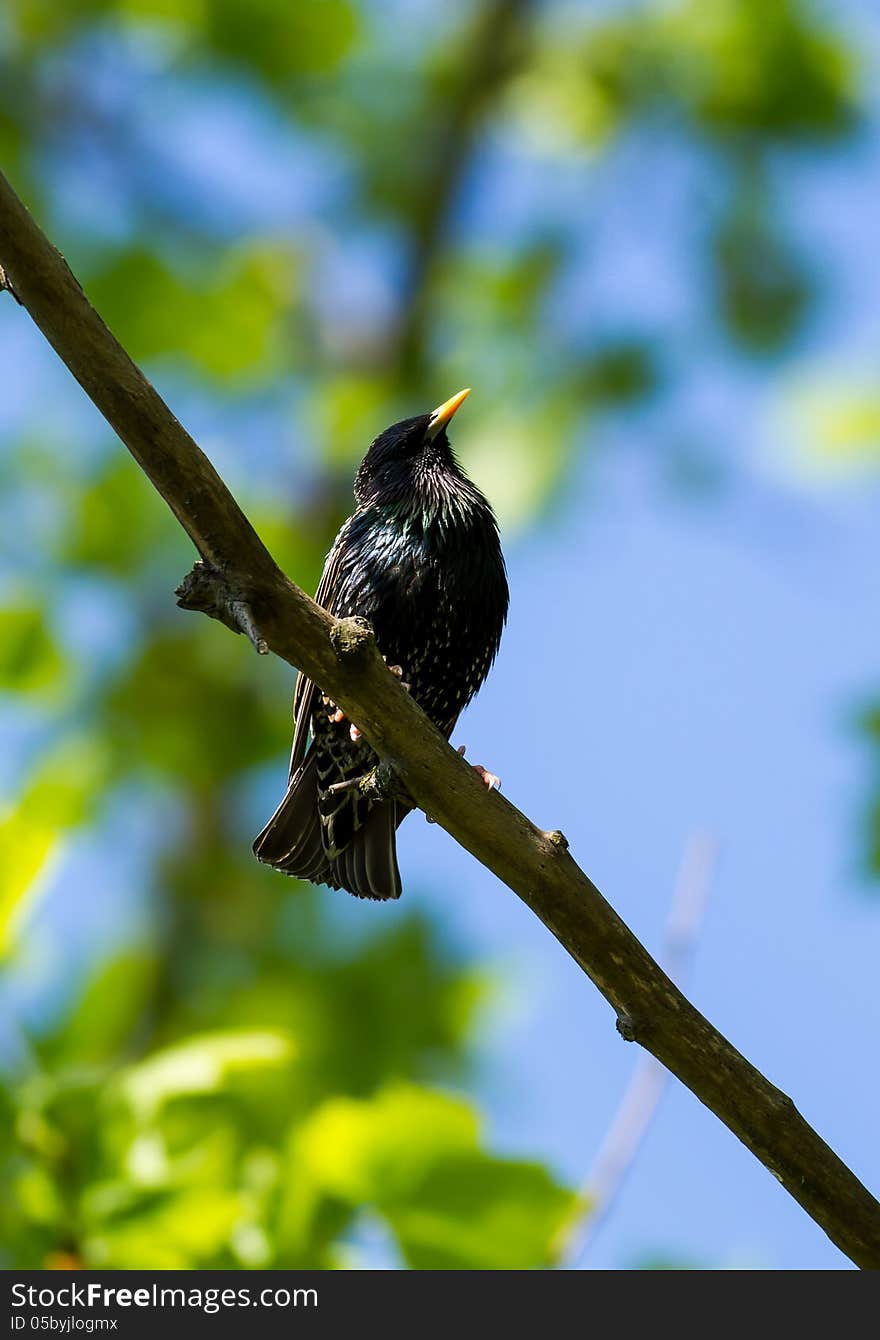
519 458
414 1156
201 1065
831 426
281 40
116 523
474 1212
190 709
764 292
38 1196
108 1011
378 1013
222 317
619 373
735 67
744 65
30 661
41 22
173 1232
57 798
379 1150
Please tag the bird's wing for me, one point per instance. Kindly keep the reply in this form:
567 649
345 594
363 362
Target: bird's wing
305 692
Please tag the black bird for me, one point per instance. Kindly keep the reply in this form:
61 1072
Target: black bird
420 558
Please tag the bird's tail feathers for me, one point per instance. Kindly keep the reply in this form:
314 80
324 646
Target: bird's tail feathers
293 842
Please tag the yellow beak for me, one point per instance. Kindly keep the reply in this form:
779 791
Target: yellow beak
443 413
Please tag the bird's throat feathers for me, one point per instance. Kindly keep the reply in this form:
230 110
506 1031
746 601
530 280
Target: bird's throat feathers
427 492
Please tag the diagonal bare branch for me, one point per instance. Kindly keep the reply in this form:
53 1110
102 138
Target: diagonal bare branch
342 657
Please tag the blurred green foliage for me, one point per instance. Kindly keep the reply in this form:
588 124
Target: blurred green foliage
239 1085
222 319
30 660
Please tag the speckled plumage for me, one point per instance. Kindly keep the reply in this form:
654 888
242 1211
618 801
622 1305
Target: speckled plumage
420 558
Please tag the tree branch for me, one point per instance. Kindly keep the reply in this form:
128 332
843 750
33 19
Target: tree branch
341 656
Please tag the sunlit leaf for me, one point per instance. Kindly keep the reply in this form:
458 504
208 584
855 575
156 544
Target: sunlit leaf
480 1213
769 69
223 317
30 660
344 408
176 1232
281 40
57 798
38 1196
518 458
379 1150
735 66
200 1066
415 1155
828 430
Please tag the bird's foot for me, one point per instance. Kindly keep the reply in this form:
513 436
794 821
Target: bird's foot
336 716
489 779
397 671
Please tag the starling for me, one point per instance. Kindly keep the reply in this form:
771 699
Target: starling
420 559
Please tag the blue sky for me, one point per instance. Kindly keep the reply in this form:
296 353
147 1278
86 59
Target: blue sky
707 687
672 664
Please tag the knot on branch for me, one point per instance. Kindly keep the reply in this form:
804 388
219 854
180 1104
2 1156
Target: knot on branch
7 286
626 1026
383 783
351 639
558 839
211 592
380 783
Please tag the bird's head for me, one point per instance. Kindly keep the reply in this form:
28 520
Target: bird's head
410 459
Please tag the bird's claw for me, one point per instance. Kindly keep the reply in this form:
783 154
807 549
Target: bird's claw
336 716
489 779
397 671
